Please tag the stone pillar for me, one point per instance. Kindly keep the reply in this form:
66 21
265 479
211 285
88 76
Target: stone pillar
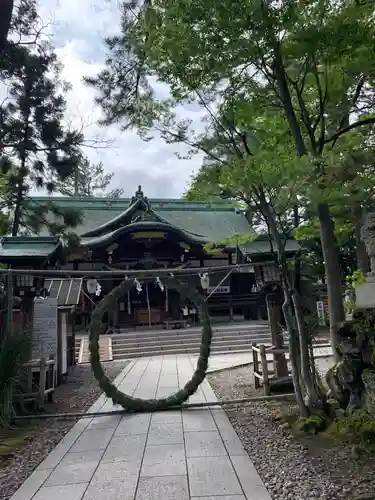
365 294
368 236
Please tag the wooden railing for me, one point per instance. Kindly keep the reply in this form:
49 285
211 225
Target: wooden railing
38 392
263 376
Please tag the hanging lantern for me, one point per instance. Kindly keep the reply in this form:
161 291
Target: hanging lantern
91 285
205 280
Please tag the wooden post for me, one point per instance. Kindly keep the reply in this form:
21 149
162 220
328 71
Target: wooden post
148 306
42 382
255 366
231 315
10 303
263 360
274 321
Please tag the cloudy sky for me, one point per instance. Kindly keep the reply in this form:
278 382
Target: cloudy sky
78 28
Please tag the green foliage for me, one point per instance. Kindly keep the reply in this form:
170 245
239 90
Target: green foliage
310 425
276 133
349 306
232 63
36 146
229 242
357 428
15 350
356 279
50 215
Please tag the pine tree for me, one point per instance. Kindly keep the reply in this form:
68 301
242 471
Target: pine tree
35 146
6 10
90 180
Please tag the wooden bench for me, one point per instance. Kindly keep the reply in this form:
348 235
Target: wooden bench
175 323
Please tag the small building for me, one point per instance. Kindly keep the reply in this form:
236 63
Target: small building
139 233
41 252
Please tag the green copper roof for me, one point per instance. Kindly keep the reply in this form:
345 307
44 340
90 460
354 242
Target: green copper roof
264 246
28 247
104 219
109 238
203 221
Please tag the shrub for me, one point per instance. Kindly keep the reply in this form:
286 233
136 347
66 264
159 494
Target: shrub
357 428
15 351
310 425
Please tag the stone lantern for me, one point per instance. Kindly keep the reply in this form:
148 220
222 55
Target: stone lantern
365 294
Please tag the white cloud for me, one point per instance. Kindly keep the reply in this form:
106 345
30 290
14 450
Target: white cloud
78 28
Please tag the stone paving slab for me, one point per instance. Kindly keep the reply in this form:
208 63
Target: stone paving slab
173 455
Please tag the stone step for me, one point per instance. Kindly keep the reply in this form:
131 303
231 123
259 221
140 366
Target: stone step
195 345
186 335
182 350
124 343
191 342
105 350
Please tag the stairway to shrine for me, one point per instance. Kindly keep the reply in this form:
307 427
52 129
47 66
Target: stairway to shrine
83 353
140 343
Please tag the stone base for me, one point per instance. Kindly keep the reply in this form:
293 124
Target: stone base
365 294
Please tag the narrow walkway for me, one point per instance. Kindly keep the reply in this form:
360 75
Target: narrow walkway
189 455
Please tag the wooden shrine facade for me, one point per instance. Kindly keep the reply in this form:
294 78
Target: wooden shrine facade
143 234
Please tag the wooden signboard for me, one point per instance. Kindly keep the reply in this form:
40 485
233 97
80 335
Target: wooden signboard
45 328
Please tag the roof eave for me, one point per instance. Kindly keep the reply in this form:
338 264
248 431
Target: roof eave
143 226
125 216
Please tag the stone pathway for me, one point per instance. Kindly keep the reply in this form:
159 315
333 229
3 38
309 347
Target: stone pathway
174 455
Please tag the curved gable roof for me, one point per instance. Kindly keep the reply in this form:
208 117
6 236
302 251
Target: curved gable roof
196 220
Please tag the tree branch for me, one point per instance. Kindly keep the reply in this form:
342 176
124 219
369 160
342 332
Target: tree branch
339 133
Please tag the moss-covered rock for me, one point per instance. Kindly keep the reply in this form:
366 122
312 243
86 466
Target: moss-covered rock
355 347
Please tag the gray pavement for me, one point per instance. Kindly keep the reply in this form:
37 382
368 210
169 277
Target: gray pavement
174 455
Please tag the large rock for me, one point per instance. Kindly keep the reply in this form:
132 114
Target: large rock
345 379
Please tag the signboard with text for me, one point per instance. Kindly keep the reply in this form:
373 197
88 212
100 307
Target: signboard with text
45 328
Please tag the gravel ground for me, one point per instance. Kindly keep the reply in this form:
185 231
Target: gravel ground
78 394
293 468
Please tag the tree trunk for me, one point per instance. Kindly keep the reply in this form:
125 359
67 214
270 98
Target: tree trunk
22 170
306 373
76 181
330 253
333 273
6 10
294 353
294 343
274 318
363 260
17 214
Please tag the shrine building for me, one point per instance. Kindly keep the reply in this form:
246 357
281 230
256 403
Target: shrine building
142 233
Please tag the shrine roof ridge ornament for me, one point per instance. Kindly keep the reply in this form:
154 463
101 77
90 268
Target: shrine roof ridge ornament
138 196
